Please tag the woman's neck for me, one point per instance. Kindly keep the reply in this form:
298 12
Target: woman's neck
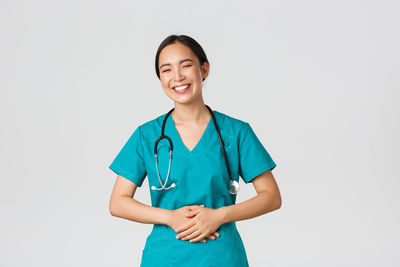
194 113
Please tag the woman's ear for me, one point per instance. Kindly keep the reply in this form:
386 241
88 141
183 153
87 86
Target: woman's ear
205 68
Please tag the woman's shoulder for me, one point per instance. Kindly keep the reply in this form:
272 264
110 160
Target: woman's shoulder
153 122
228 119
228 124
153 126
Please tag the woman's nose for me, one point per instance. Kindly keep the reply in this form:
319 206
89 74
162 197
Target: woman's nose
178 75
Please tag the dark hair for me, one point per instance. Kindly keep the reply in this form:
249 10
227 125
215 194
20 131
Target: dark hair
185 40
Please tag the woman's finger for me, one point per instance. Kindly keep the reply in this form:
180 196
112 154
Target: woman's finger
184 227
192 207
192 213
195 234
197 238
185 233
211 237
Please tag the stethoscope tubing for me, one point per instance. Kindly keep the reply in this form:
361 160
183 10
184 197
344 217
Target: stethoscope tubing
234 185
222 144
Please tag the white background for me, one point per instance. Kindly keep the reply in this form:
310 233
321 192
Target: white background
317 80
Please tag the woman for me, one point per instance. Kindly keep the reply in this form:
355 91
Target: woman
193 197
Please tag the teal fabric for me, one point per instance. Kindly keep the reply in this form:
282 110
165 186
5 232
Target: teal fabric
201 177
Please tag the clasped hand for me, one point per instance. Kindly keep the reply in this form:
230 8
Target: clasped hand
195 223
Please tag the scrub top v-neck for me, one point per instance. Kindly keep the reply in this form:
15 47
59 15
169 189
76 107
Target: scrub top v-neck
179 141
201 177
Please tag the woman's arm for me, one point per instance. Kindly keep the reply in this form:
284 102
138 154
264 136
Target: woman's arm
268 199
124 206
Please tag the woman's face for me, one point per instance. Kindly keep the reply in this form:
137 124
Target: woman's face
181 74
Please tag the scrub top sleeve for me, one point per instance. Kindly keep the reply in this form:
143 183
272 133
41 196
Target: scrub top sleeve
129 162
253 157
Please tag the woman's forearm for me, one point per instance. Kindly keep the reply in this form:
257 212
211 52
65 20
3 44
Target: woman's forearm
263 203
131 209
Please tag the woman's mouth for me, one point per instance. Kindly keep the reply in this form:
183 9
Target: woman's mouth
182 89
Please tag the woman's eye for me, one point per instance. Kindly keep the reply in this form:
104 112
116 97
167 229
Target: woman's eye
165 70
187 65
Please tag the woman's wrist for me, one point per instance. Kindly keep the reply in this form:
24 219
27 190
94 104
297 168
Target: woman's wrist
222 215
167 217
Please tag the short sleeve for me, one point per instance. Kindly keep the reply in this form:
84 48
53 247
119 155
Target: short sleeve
129 162
253 157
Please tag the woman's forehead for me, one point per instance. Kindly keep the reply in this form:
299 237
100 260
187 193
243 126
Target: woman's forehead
175 53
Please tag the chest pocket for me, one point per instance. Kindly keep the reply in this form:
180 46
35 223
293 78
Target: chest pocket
231 153
226 139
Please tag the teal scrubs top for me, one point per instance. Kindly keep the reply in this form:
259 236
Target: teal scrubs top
200 177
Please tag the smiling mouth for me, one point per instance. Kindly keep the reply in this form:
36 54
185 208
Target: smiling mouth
182 87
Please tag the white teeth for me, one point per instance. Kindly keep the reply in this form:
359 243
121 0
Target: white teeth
180 88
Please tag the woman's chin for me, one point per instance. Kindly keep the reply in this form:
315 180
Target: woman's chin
184 99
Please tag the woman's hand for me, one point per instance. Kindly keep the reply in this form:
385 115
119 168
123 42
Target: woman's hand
179 218
204 221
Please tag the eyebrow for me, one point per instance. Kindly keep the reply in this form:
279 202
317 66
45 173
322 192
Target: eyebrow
180 62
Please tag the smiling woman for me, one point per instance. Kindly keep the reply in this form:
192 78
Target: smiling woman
182 71
194 211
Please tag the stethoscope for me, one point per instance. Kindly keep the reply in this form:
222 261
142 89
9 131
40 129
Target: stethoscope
234 185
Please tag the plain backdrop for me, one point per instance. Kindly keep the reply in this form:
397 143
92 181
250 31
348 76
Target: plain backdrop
318 81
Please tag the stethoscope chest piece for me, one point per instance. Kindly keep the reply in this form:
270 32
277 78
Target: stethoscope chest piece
234 187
